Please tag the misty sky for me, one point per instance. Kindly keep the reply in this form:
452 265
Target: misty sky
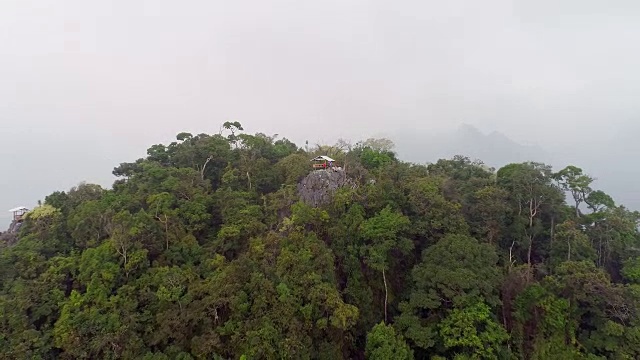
85 85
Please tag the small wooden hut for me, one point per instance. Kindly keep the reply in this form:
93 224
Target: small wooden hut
18 213
322 162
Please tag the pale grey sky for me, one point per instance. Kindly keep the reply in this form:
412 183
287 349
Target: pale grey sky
86 84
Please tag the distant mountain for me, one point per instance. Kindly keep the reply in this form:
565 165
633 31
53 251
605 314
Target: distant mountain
610 160
494 149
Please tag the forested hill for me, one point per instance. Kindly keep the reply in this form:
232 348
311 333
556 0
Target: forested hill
204 250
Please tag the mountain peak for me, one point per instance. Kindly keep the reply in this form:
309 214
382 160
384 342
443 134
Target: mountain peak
470 130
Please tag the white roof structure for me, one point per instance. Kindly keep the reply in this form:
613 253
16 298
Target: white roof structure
322 157
19 208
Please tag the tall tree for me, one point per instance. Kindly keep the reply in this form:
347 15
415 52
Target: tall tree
531 191
383 234
455 273
573 180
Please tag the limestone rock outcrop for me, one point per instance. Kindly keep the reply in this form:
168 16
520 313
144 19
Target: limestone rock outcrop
10 237
318 187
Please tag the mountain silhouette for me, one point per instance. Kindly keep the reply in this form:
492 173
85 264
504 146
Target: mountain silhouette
494 149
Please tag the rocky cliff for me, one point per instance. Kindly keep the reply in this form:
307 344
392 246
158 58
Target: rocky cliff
318 187
10 236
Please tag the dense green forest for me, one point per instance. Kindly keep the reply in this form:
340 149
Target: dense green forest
205 250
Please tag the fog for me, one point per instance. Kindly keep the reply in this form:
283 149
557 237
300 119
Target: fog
86 85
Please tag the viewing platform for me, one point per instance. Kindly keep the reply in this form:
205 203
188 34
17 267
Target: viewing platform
18 213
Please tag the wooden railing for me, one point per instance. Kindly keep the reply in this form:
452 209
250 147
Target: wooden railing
318 166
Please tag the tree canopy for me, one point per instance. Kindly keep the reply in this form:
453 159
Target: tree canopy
204 249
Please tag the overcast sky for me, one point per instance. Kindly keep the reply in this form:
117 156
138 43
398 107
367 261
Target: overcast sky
85 85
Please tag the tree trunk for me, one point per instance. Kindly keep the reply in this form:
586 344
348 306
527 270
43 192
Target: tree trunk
166 231
599 251
204 167
164 222
553 229
533 211
511 261
386 295
122 250
504 317
529 251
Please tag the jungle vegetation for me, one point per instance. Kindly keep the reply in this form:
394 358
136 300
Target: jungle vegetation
203 250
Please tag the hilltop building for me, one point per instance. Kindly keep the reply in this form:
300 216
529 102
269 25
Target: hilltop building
18 217
323 162
18 213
